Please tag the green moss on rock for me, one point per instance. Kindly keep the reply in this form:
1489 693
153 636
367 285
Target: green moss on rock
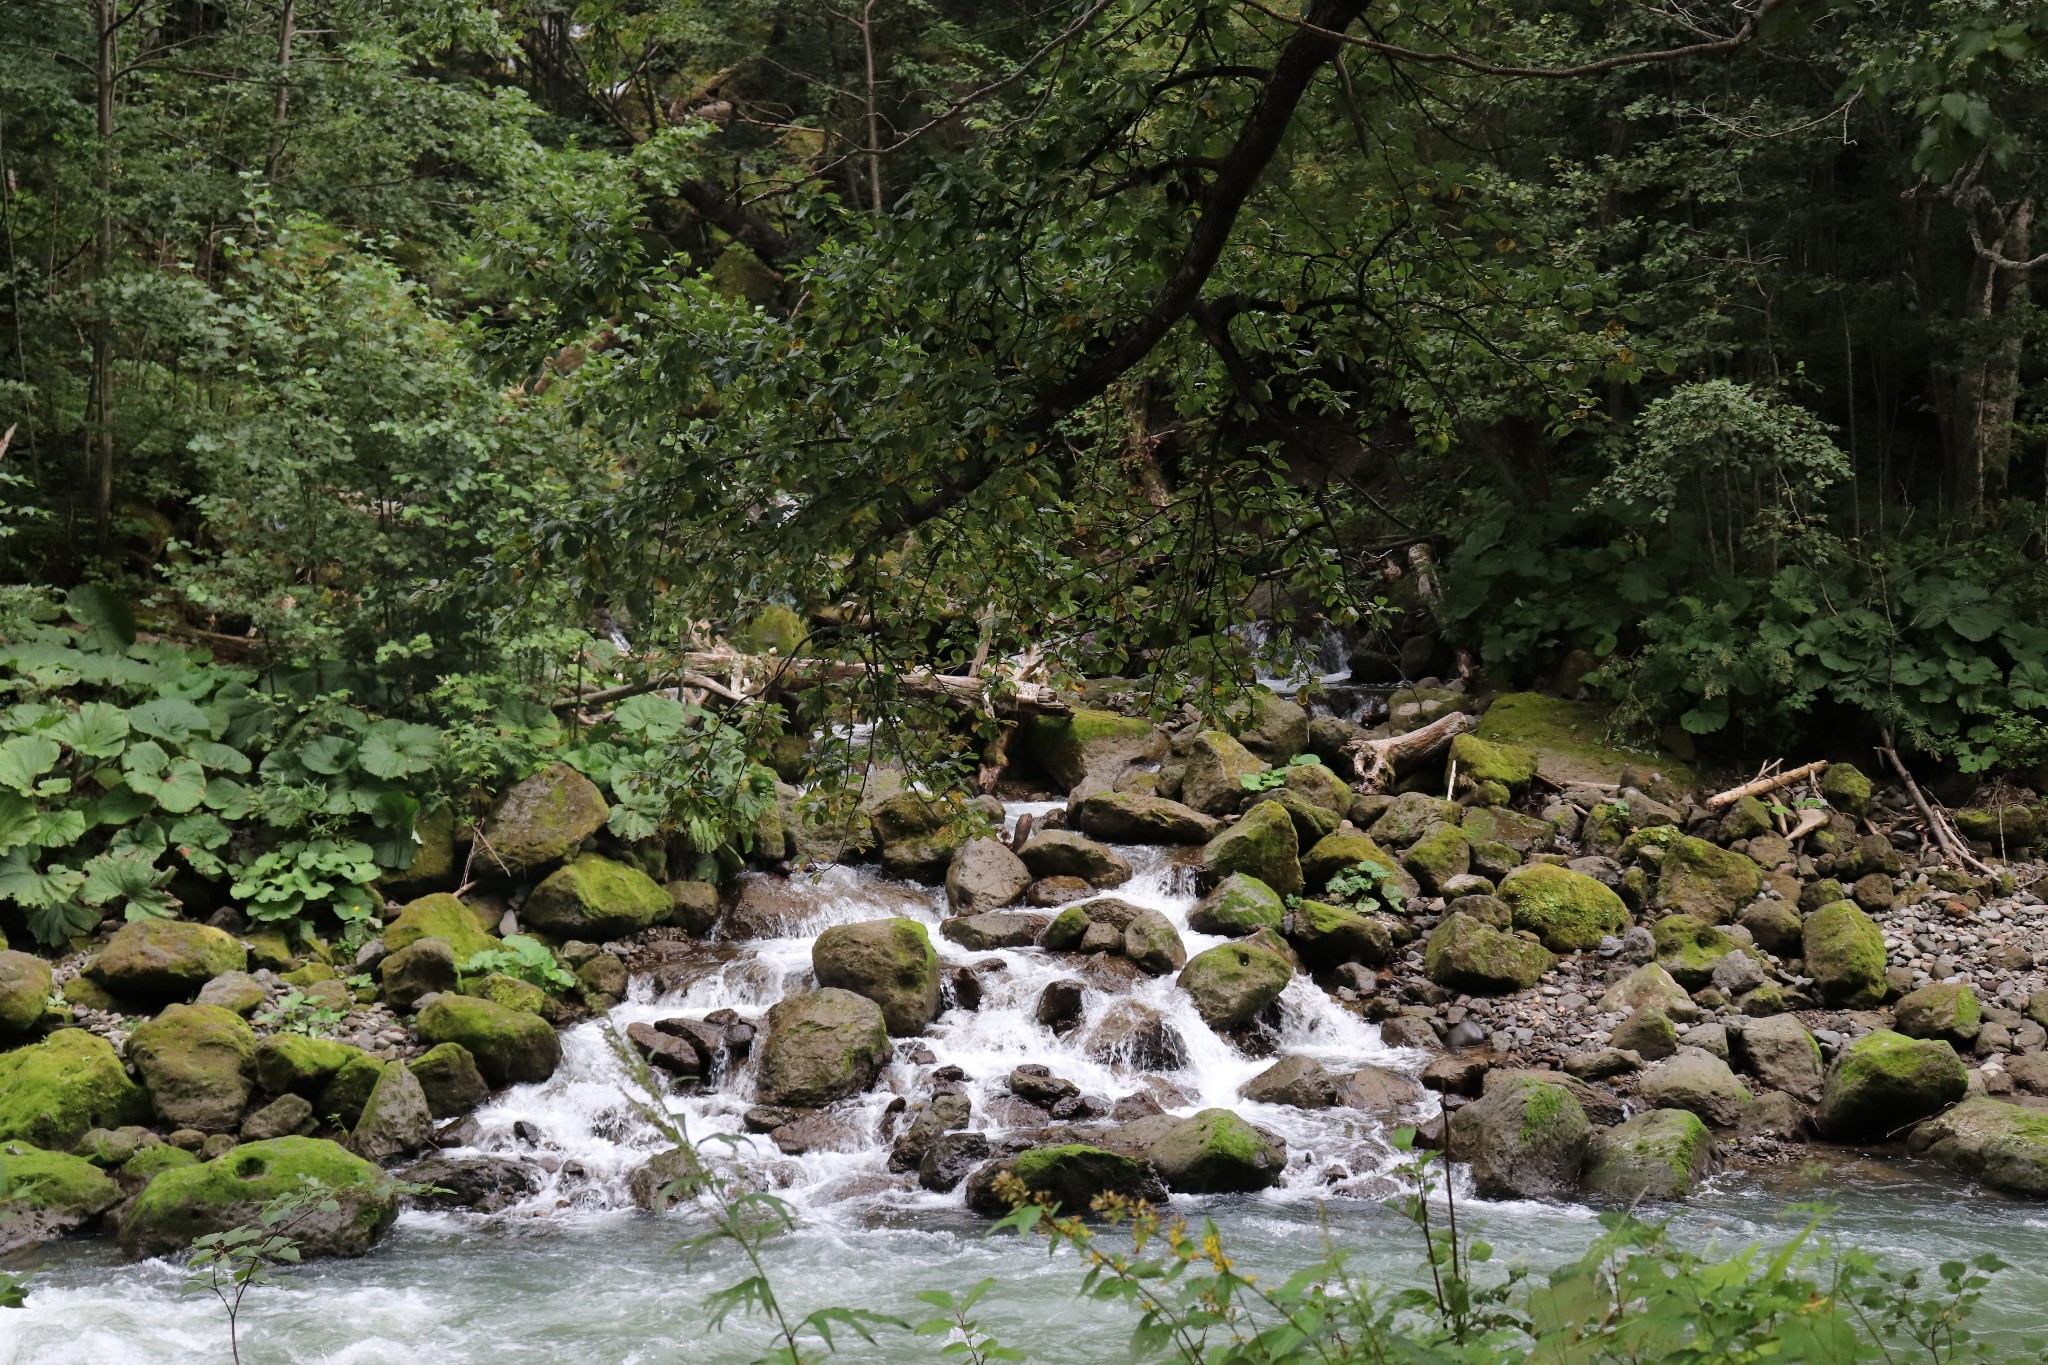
2001 1144
1845 956
891 962
1240 904
292 1063
24 993
47 1193
179 1206
593 897
1232 982
1705 881
1570 739
541 820
54 1092
510 1047
1846 788
1568 910
1659 1155
1328 936
157 961
1946 1009
1689 948
822 1046
1071 1175
1261 844
1346 849
1884 1081
439 916
1439 855
197 1062
1068 749
1493 772
1466 954
341 1101
1216 1152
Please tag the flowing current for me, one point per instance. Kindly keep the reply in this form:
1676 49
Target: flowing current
576 1273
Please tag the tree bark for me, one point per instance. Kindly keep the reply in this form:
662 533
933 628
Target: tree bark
287 21
100 441
1985 392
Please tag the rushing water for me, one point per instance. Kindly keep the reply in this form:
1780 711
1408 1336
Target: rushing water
574 1274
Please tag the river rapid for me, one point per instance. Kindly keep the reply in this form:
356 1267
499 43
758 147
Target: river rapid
575 1273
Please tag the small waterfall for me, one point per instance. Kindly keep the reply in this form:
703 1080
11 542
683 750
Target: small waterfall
582 1130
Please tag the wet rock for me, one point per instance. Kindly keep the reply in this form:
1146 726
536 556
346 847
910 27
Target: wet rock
450 1080
1467 954
2003 1145
1136 1035
1211 771
1775 1116
1782 1055
676 1053
1375 1090
818 1132
1884 1082
1405 1030
1136 818
159 961
1070 1175
510 1046
1568 910
231 1190
995 929
693 905
821 1047
1240 904
1262 844
395 1119
984 875
889 961
1035 1084
593 897
1216 1152
943 1113
665 1179
1327 936
423 967
1647 1032
1089 749
1048 892
603 981
196 1061
481 1184
1299 1081
948 1160
1697 1082
1659 1155
49 1194
1844 952
1524 1139
1153 945
1060 1005
1947 1010
1231 983
1459 1073
918 835
1061 853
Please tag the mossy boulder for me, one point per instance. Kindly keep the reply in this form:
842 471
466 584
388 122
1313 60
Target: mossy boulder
1689 949
1705 881
595 898
2003 1145
918 835
1845 956
292 1063
1885 1081
1411 816
1846 788
510 1046
1216 1152
891 962
1947 1010
1493 773
1127 817
821 1046
48 1194
424 967
521 997
341 1101
1232 982
1261 844
150 1162
434 862
1522 833
1467 954
1240 904
540 821
54 1092
450 1080
1439 855
1212 773
1568 910
198 1063
1088 749
159 961
1268 724
1649 985
1071 1175
394 1120
179 1206
443 917
1063 853
1311 821
1329 936
1659 1155
1320 785
1153 945
1697 1082
2001 829
1745 818
237 991
1571 740
24 993
1525 1138
1346 849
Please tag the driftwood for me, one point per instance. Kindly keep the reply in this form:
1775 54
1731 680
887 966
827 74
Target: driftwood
1809 821
1374 760
1945 836
1765 784
749 676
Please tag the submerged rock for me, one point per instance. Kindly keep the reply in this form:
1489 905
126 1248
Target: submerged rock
481 1184
1659 1155
1069 1175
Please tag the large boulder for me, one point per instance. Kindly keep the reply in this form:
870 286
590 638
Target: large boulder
891 962
592 897
1089 750
1525 1138
1345 849
1648 985
919 834
443 917
1946 1009
1141 818
1328 936
1439 855
1135 1035
1063 853
1270 725
1302 1082
1238 905
1884 1082
24 991
1697 1082
1261 844
1232 982
1071 1175
1568 910
1659 1155
481 1184
348 1090
1492 773
820 1047
46 1194
1213 772
995 929
539 821
1467 954
1216 1152
159 961
54 1092
292 1063
1845 956
984 875
1782 1055
1320 786
2003 1145
511 1047
1705 881
1846 788
230 1191
1411 815
1153 945
1570 740
1690 949
450 1080
197 1061
395 1119
421 968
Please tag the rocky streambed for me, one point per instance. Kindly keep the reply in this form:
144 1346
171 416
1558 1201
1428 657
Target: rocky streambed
1165 983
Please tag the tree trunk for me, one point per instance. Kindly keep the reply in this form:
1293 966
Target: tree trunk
100 440
1986 389
287 21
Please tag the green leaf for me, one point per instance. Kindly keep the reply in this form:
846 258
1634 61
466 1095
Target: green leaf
130 878
25 758
219 758
108 620
32 889
19 823
96 730
656 717
328 755
170 719
396 749
230 799
178 787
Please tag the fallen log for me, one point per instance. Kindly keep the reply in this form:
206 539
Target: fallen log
752 676
1765 784
1375 760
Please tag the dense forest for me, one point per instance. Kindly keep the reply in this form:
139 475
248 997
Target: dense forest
496 498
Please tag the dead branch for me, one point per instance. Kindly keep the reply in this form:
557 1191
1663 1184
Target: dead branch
1809 821
752 676
1765 784
1945 836
1374 760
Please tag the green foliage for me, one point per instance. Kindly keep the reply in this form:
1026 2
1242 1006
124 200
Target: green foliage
1366 886
293 1012
229 1264
1272 779
527 959
667 766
